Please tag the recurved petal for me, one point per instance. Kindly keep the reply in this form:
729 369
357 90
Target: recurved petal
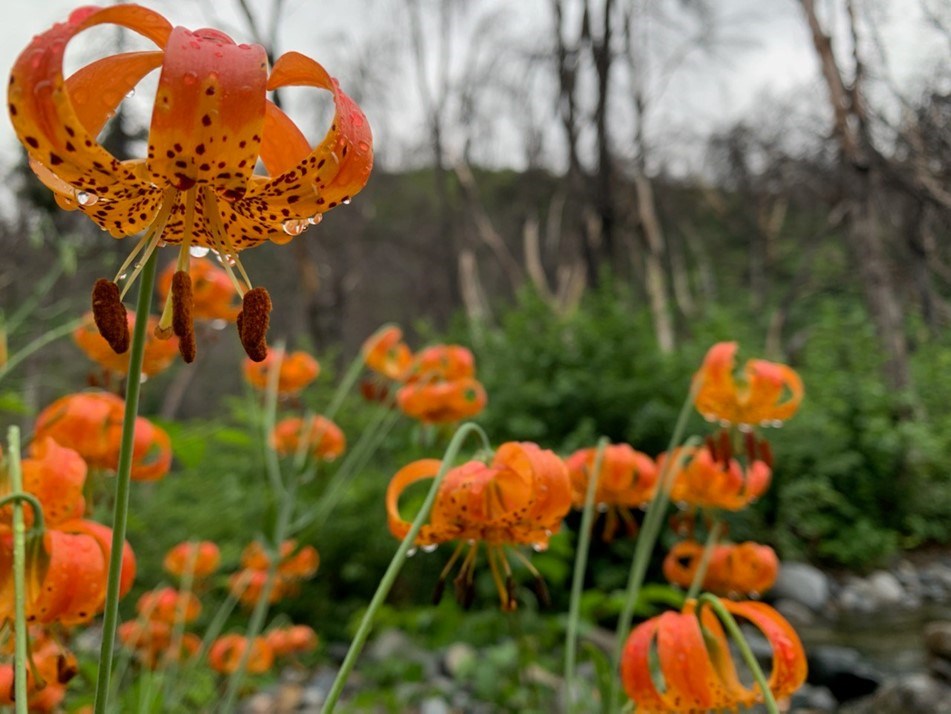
330 174
209 111
411 473
43 108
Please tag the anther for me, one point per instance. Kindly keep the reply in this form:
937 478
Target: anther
182 322
541 591
510 605
253 322
66 669
439 590
110 315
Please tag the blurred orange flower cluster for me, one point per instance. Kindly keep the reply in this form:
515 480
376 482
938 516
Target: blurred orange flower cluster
519 498
159 354
745 568
297 370
295 564
53 666
320 437
435 386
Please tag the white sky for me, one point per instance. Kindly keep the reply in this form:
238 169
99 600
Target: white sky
767 51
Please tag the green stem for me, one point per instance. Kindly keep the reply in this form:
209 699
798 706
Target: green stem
713 538
346 384
396 564
39 343
577 581
123 477
650 529
726 617
19 571
39 524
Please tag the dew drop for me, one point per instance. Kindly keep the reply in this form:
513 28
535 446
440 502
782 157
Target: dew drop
161 244
602 508
130 93
84 198
189 78
218 324
294 226
363 147
411 552
776 423
346 201
315 219
123 276
198 251
539 547
430 547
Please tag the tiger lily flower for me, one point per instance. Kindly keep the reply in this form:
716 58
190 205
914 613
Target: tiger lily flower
385 353
706 482
226 653
748 568
158 355
627 480
201 558
295 639
767 393
196 187
298 369
519 498
689 651
168 605
324 440
56 476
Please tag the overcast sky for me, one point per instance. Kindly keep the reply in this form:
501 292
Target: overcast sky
770 53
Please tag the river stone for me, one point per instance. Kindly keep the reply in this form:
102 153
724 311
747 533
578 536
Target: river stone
804 584
913 693
938 639
434 705
796 613
459 659
813 700
843 671
886 590
391 643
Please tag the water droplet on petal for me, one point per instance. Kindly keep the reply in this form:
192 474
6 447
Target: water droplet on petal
430 547
294 226
123 276
346 202
362 147
218 324
130 93
189 78
198 251
411 552
315 219
84 198
539 547
161 244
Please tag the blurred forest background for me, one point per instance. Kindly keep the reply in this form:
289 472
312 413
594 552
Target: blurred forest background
537 198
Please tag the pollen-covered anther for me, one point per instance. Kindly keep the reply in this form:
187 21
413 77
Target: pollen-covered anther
182 322
110 315
253 322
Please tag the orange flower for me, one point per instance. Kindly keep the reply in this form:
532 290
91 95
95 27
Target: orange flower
324 439
65 573
201 557
521 497
386 354
295 564
56 476
169 605
442 402
734 568
298 369
628 479
767 394
158 353
226 652
51 667
707 483
213 293
151 640
442 363
693 658
296 639
211 124
91 424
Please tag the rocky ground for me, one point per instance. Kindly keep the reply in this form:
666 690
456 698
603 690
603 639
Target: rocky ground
877 644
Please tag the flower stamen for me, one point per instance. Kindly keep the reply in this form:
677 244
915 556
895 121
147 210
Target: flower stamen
110 315
253 323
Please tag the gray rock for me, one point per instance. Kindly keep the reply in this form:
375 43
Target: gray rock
803 583
798 614
459 659
811 699
857 596
940 669
938 639
389 644
434 705
843 671
886 590
913 693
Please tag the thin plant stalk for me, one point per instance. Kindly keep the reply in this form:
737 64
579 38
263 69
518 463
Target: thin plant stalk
726 617
650 529
38 344
123 477
396 564
577 581
19 571
713 537
287 494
